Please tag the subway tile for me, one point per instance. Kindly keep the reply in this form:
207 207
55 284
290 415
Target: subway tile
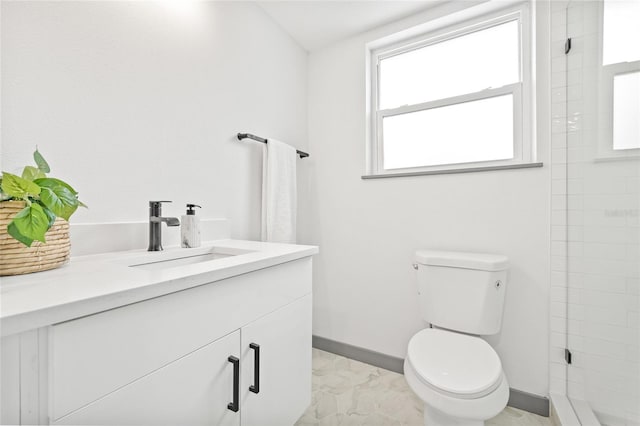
576 343
575 202
575 311
558 325
557 385
605 251
605 234
558 233
575 186
605 299
624 203
575 233
558 294
559 6
575 170
604 283
606 315
575 155
574 327
575 139
558 218
632 352
560 94
558 263
559 310
559 140
557 51
633 254
558 370
558 187
558 278
575 281
574 61
576 217
559 248
575 390
558 79
558 171
605 185
633 320
559 19
559 63
601 217
575 248
610 333
574 76
574 92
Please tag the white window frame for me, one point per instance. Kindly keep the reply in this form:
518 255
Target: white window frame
606 75
523 111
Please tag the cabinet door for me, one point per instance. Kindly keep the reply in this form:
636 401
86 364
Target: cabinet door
193 390
284 339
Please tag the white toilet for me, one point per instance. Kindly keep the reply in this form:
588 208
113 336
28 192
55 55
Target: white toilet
457 374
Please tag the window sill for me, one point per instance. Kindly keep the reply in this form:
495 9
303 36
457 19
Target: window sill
453 171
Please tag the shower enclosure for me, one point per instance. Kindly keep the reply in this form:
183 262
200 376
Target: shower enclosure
595 209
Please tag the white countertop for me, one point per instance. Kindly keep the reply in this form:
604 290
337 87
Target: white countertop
90 284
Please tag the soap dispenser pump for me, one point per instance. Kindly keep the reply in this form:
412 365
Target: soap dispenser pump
190 228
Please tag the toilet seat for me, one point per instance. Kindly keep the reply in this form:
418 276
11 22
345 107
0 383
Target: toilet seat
454 364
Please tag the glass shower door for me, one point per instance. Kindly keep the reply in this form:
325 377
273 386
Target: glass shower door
603 205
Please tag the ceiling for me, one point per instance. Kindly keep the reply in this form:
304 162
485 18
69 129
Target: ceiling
316 24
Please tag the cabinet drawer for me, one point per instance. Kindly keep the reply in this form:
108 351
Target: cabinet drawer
98 354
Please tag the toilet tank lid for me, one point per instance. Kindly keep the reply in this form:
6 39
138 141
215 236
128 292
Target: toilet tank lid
455 259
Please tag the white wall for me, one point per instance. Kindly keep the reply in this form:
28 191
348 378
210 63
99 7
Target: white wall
138 101
364 286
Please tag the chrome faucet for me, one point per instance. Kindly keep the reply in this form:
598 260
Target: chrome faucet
155 224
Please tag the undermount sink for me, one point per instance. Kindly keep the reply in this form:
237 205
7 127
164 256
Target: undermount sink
164 260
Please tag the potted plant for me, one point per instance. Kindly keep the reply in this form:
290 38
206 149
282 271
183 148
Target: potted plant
34 214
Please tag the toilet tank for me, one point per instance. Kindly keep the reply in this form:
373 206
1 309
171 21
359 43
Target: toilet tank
462 291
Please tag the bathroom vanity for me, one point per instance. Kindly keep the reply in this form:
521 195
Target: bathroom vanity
219 335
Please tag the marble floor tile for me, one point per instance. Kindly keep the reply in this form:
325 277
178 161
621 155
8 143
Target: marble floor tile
348 392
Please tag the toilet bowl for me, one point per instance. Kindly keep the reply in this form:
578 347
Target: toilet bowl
458 377
449 367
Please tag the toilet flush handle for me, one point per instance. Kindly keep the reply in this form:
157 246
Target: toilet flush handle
415 266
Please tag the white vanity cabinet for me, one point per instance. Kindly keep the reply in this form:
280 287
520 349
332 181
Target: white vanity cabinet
192 390
283 342
233 352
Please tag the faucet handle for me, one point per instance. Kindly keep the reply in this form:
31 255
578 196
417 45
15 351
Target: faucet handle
155 207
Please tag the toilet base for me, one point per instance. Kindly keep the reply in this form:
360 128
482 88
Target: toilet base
433 417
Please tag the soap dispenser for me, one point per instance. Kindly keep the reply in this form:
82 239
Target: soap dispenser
190 228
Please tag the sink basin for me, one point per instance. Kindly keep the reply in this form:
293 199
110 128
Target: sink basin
164 260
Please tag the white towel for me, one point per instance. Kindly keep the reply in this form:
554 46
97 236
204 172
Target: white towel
279 193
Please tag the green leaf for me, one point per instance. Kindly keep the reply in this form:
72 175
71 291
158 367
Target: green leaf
31 173
13 231
59 200
41 162
50 215
32 222
18 187
49 182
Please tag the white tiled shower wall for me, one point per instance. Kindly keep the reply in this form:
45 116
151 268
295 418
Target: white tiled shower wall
595 256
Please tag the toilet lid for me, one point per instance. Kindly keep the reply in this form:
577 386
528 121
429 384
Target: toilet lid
455 363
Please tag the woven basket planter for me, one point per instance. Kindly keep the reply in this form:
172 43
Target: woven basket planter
16 258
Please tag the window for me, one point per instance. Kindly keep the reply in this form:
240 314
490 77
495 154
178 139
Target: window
620 79
456 98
